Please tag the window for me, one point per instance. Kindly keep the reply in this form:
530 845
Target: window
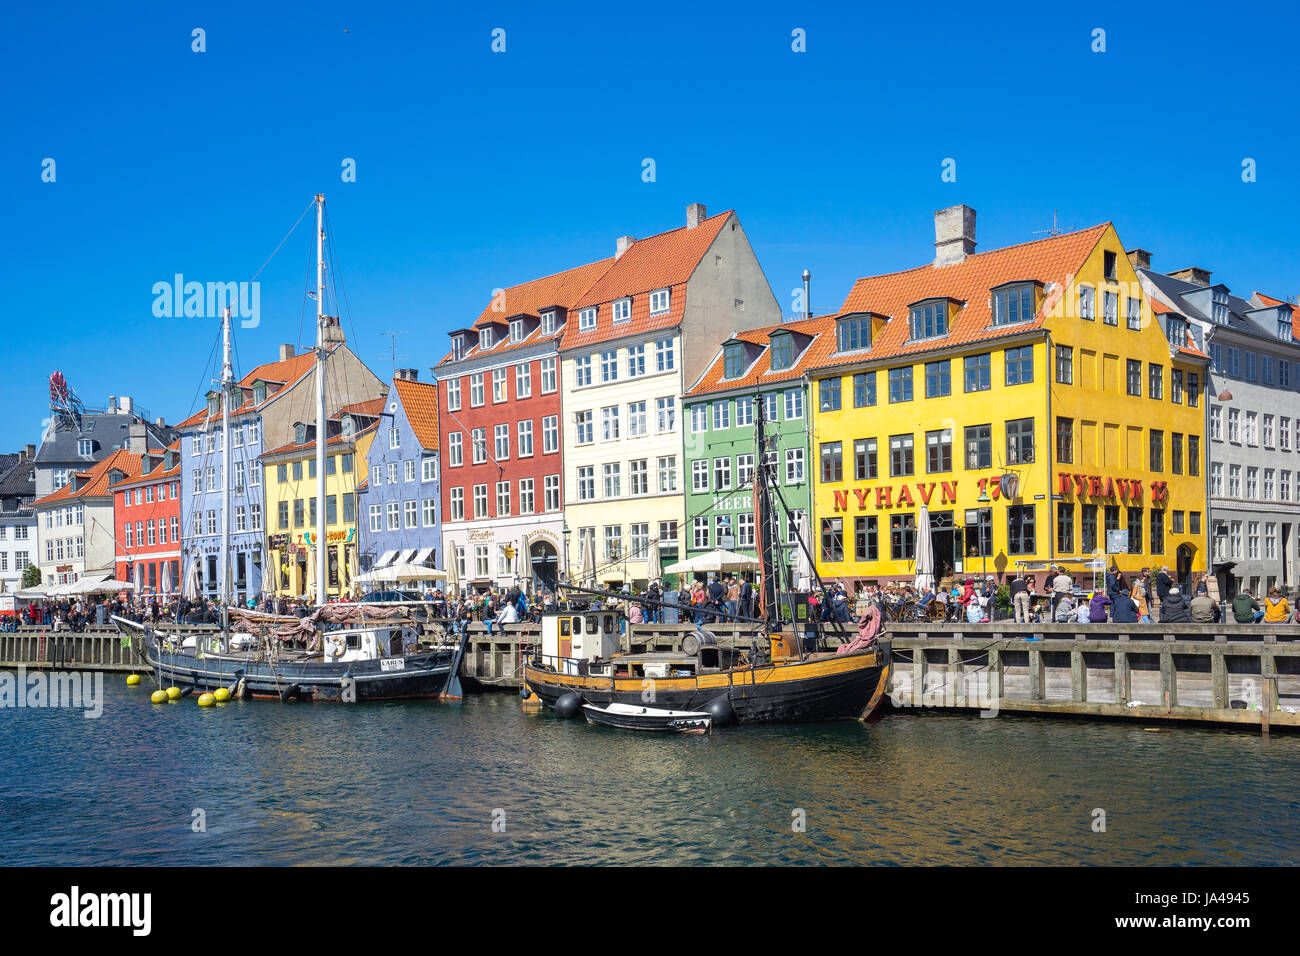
665 355
978 373
1019 365
700 475
551 492
733 360
866 545
609 366
1133 381
979 447
929 319
478 438
408 468
517 330
1216 478
393 515
1088 529
721 415
1234 481
659 301
722 474
503 498
1193 455
485 337
938 451
793 403
1087 302
1157 442
1013 305
410 512
1176 453
550 434
781 351
480 501
394 437
609 416
1110 307
1064 365
853 333
1065 440
613 479
481 567
476 390
622 309
455 450
832 539
900 384
828 394
587 319
501 441
523 380
1268 431
832 461
1133 317
744 470
938 379
1020 441
1284 433
700 532
1064 527
638 477
864 389
1134 530
900 455
1284 485
1156 381
1020 529
1269 476
583 428
547 366
587 483
1252 482
525 430
613 542
794 466
582 371
864 459
1157 531
902 537
548 323
744 412
457 504
667 467
428 469
635 361
772 409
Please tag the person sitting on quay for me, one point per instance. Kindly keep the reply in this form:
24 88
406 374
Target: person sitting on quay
1276 607
1123 610
1063 610
1245 609
1098 608
1203 609
1083 611
1174 609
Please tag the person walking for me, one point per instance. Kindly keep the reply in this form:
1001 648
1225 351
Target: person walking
1139 595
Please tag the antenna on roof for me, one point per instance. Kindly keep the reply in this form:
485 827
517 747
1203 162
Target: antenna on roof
393 348
1056 229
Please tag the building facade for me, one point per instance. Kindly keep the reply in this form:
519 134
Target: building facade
500 409
400 500
17 519
647 326
764 366
75 440
147 513
290 480
1253 426
1025 399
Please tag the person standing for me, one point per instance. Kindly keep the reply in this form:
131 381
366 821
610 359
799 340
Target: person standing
1020 599
1062 587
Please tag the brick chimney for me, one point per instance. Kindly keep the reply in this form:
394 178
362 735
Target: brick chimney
624 244
409 374
286 352
695 214
137 442
1140 258
954 235
1193 275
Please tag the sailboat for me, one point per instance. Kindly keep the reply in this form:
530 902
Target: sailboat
583 669
341 651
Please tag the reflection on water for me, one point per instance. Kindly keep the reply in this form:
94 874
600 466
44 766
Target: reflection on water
425 783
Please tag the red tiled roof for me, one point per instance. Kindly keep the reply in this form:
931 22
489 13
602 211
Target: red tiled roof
371 409
1049 260
420 399
821 327
665 261
336 440
287 371
1295 311
97 483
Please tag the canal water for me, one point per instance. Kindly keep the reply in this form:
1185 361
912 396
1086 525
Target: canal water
480 782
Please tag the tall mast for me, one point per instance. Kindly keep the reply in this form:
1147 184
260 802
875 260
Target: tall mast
763 510
227 380
321 563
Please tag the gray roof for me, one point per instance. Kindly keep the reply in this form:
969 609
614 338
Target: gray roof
16 482
108 432
1176 291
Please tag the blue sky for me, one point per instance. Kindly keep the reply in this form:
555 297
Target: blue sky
477 169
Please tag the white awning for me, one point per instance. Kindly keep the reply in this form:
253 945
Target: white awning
407 557
385 558
422 555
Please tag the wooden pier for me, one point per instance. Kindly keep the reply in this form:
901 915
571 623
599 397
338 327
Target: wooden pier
1238 674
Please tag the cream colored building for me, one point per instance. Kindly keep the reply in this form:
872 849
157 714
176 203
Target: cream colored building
649 325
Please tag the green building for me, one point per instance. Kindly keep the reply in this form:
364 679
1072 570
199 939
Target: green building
765 364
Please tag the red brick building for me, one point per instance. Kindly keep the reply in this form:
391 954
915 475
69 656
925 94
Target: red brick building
147 524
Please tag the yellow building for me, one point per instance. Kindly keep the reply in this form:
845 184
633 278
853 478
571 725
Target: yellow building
289 474
1027 398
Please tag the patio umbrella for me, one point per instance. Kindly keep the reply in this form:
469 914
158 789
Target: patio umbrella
803 571
589 561
403 572
453 573
192 581
167 577
353 585
653 566
311 573
924 551
715 560
139 578
269 575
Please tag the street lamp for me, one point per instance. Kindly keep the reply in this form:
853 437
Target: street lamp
565 531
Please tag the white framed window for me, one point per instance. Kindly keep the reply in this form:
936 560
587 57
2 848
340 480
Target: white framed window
613 475
587 483
516 330
429 469
485 338
499 393
582 427
408 470
721 415
699 418
523 380
638 476
665 355
394 437
478 438
476 390
582 371
501 441
503 499
667 467
793 403
393 512
392 472
550 434
551 492
700 475
744 412
375 518
527 505
636 361
794 466
458 504
636 419
480 501
587 319
609 366
453 394
429 512
659 301
548 375
622 309
722 474
609 423
700 532
455 449
666 414
525 430
411 514
548 323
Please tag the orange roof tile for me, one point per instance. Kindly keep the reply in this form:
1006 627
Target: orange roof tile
336 440
96 484
821 327
287 371
664 261
1295 312
372 408
1047 260
420 399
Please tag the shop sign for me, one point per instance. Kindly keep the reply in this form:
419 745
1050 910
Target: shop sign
1100 486
884 496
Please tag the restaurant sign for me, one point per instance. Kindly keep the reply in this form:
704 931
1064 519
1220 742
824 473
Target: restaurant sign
1100 486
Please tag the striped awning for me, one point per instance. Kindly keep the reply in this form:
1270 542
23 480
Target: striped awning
385 559
407 557
422 555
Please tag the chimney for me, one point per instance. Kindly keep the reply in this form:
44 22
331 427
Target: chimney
1193 275
137 442
807 294
409 374
160 423
624 244
954 235
333 331
29 453
112 404
124 403
695 214
1139 258
286 352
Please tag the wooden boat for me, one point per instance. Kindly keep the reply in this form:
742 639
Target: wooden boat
627 717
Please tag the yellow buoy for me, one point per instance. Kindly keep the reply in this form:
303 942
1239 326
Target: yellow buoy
132 680
173 693
206 700
222 694
159 697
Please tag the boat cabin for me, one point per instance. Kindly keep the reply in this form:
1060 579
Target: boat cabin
571 637
367 644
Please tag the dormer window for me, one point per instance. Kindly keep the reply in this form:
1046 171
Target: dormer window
659 302
622 310
300 433
348 426
85 447
485 338
853 333
1014 303
1109 260
929 319
214 404
733 360
259 393
458 348
548 323
517 330
587 319
1285 329
1219 307
1176 331
782 351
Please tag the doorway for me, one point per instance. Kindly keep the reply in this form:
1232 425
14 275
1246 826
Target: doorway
545 563
1183 567
946 543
